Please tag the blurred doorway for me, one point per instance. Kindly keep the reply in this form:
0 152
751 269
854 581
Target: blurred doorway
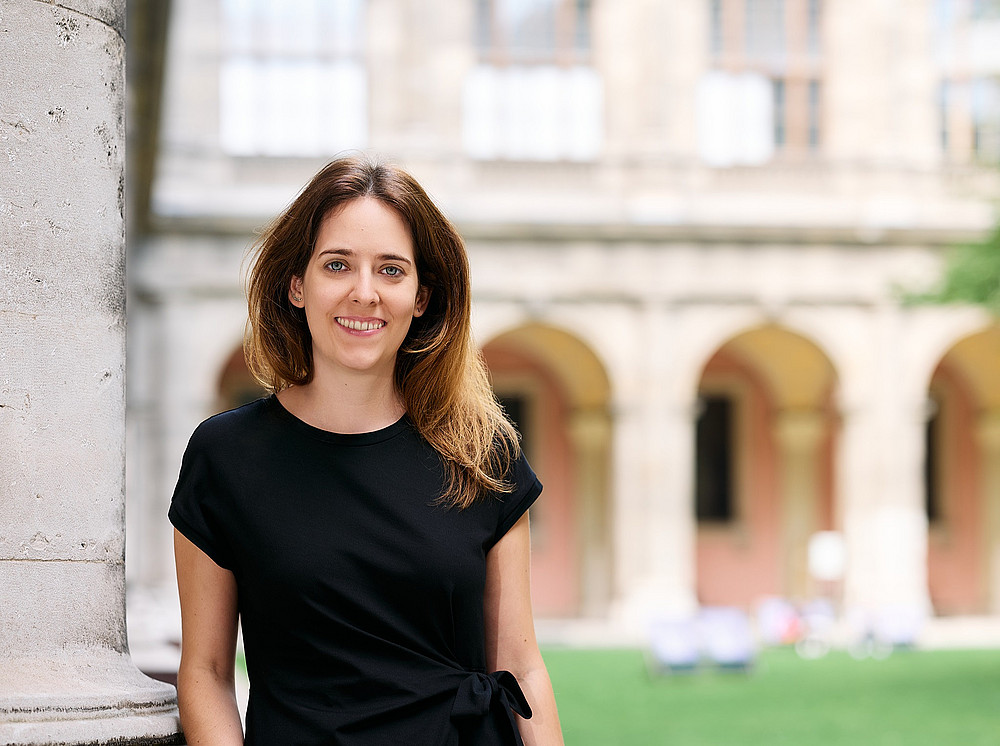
962 477
556 390
764 449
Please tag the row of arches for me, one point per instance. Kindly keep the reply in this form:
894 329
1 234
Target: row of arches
767 420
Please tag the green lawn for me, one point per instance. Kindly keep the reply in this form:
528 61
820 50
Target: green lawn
914 698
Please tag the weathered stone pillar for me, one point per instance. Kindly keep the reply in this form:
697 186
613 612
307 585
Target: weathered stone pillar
65 673
799 435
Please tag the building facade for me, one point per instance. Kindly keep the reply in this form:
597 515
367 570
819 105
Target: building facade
692 226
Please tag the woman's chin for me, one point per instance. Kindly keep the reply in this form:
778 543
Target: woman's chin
361 364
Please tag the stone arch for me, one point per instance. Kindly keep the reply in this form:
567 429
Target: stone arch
766 417
555 384
941 330
713 333
962 476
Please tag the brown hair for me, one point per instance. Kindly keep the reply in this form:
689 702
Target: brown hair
439 373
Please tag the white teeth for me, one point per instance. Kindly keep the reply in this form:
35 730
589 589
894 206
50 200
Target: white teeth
361 326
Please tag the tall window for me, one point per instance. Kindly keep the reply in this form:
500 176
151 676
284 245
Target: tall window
986 119
533 31
763 94
533 94
518 409
966 33
714 459
985 9
292 79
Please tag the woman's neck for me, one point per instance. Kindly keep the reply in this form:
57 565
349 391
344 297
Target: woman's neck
345 404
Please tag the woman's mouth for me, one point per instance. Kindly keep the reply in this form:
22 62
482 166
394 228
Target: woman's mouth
360 325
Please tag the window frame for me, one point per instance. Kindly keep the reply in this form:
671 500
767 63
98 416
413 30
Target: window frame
255 52
570 16
797 70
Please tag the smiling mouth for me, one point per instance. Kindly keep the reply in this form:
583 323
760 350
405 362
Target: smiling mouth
360 326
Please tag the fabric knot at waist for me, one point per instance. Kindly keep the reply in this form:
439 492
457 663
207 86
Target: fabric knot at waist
496 696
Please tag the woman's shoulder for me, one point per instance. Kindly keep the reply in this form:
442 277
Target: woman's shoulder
231 425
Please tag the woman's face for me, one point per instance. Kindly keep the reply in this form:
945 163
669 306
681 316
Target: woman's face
360 290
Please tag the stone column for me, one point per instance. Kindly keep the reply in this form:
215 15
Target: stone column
590 432
630 556
799 435
65 673
988 432
660 451
677 531
901 525
885 526
857 495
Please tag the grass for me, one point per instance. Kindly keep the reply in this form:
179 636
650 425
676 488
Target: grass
914 698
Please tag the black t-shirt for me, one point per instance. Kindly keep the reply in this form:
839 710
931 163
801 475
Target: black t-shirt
361 600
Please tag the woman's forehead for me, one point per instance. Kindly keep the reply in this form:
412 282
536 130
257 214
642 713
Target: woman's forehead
365 226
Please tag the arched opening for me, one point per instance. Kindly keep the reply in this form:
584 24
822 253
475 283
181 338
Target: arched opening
236 385
765 430
962 477
557 391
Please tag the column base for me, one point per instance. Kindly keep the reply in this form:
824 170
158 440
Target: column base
85 698
647 601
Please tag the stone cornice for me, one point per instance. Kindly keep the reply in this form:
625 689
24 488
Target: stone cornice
542 233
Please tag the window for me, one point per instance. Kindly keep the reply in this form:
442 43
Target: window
764 32
986 119
533 94
518 409
763 93
813 18
779 112
812 133
292 79
932 461
944 107
969 119
521 407
985 9
968 98
714 455
533 31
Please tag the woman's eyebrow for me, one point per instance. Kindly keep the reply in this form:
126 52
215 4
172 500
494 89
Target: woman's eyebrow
339 252
350 253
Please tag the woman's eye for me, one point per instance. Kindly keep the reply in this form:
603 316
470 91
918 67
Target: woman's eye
336 265
393 271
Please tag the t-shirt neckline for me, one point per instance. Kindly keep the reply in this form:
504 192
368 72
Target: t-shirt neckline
349 439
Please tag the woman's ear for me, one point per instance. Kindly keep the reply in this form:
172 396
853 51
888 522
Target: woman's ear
295 292
423 297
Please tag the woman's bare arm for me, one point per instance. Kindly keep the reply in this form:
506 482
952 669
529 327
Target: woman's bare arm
510 633
206 690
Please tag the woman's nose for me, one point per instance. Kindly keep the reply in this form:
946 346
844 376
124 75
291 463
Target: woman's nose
364 292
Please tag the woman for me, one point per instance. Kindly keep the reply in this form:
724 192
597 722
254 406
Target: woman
368 520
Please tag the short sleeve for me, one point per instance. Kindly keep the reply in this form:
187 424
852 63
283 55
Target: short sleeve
197 508
527 488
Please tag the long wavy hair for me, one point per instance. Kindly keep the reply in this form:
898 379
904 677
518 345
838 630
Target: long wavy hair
439 372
